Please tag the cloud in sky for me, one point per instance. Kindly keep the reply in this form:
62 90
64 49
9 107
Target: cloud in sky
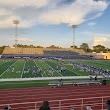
94 39
91 24
24 3
33 12
99 40
102 39
25 39
4 12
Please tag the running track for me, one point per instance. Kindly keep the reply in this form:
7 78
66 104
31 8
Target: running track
21 95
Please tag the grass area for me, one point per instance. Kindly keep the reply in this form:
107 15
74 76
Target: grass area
23 84
34 83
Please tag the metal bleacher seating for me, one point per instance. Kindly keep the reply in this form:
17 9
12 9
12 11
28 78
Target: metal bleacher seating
21 50
74 83
48 52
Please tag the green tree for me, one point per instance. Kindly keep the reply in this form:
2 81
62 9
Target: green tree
74 47
53 46
39 46
99 48
1 49
85 47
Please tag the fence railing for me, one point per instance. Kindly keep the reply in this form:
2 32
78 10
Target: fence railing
96 103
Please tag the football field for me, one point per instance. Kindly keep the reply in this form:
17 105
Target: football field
47 68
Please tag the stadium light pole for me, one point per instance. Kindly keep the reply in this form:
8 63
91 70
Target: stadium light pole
16 22
74 27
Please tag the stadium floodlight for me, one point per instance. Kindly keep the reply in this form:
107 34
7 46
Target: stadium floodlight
16 22
74 27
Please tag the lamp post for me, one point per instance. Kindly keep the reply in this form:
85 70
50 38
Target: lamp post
16 22
74 27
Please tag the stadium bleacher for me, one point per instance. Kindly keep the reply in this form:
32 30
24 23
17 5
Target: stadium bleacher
47 52
20 50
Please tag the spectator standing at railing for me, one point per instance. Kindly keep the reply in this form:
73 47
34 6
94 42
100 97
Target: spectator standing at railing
88 108
72 108
90 77
108 104
60 82
45 106
7 108
95 78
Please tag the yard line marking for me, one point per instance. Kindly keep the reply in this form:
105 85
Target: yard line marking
72 71
36 66
54 69
23 69
7 69
46 72
66 68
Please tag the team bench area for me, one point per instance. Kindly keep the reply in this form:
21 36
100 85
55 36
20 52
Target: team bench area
74 83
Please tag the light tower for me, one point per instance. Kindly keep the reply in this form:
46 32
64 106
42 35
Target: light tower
16 22
74 27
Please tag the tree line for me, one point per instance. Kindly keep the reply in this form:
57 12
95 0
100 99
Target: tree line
84 46
98 48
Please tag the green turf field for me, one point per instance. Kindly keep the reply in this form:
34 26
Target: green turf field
46 68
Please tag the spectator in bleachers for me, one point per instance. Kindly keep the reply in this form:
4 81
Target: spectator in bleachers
45 106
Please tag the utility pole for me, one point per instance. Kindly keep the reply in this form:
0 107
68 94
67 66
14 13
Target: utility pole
74 27
16 22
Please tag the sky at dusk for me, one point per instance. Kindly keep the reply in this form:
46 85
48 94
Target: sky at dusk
48 22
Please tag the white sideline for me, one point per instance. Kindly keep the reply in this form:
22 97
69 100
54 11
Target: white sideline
46 78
